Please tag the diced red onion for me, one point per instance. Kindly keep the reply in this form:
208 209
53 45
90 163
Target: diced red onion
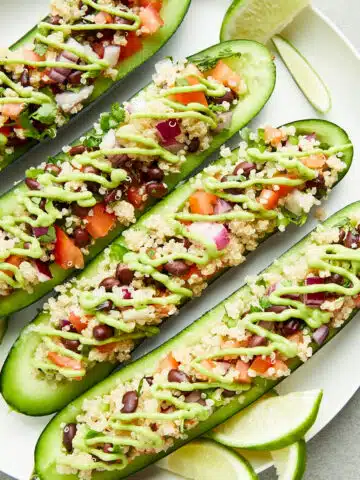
224 121
43 269
56 76
74 44
257 341
311 137
272 288
168 129
292 296
40 231
276 308
222 206
126 294
108 141
112 55
63 71
68 100
214 231
314 299
321 334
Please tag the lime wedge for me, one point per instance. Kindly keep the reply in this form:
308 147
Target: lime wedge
3 327
207 460
271 423
259 19
307 79
290 462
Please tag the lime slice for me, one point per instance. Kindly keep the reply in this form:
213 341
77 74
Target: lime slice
290 462
307 79
3 327
271 423
259 19
207 460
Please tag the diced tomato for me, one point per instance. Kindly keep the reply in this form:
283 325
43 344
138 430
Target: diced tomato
77 322
151 20
225 75
316 161
261 365
202 202
13 260
107 347
269 199
168 363
357 301
225 344
102 18
32 56
133 46
157 4
135 198
273 136
12 110
193 270
67 254
100 222
283 190
64 362
191 97
280 366
5 131
243 376
208 364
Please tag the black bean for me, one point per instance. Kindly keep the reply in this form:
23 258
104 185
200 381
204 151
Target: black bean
130 401
52 168
257 341
246 168
318 183
71 344
194 145
177 376
149 380
229 96
81 237
55 19
177 268
32 184
232 191
77 150
290 326
25 78
103 332
154 173
228 393
42 203
111 196
124 274
109 283
27 245
156 189
91 169
81 212
193 397
75 77
69 433
342 235
335 278
352 240
105 306
118 161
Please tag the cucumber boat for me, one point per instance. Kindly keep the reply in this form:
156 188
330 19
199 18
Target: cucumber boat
206 226
73 57
71 207
197 380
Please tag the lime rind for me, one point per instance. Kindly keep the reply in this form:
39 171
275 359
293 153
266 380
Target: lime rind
204 459
271 423
259 19
290 462
304 74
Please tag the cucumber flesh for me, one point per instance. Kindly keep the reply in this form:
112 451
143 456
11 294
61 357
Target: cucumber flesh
259 71
173 13
48 448
35 396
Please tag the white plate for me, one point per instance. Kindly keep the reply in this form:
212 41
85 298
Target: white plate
337 62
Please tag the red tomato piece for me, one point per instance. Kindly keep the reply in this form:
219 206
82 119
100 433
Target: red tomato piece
64 362
269 199
13 260
191 97
67 254
157 4
12 110
202 202
225 75
261 365
168 363
100 222
77 322
102 18
135 198
133 46
151 20
242 368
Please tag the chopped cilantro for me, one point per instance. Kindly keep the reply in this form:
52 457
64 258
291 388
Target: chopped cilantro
264 303
40 48
209 61
118 112
254 309
33 172
92 141
46 113
292 218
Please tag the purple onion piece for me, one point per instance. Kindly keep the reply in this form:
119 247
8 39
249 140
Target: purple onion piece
321 334
40 231
126 294
56 76
222 206
257 341
276 308
169 130
314 299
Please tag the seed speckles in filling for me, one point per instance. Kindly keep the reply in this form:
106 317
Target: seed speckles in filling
170 258
283 314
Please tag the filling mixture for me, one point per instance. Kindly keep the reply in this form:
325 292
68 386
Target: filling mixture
52 77
66 205
281 315
225 213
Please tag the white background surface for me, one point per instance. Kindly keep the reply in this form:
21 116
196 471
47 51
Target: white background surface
333 454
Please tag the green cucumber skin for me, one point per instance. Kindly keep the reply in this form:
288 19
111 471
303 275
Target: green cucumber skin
243 113
49 443
173 12
34 397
